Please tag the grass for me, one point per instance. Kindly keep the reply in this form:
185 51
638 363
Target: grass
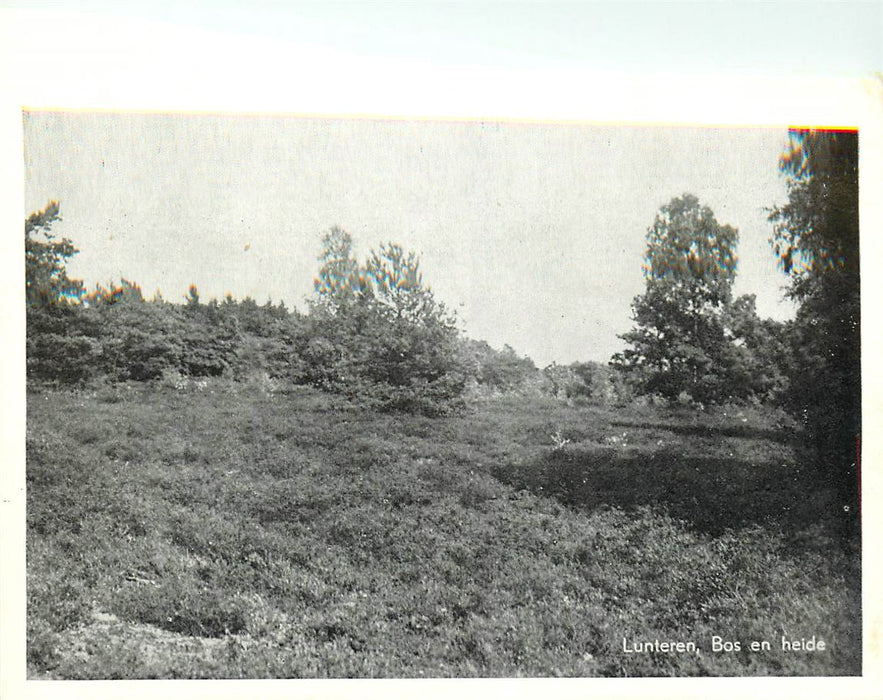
215 532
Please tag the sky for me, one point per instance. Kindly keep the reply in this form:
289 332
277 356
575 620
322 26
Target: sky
531 229
533 233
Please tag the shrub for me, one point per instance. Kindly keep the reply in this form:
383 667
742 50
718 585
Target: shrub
377 335
128 340
62 346
587 382
498 370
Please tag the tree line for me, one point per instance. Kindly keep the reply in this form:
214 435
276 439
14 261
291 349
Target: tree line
375 332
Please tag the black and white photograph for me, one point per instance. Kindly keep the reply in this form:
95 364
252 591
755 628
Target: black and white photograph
349 395
358 398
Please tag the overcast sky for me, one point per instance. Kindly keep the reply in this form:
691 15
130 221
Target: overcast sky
532 233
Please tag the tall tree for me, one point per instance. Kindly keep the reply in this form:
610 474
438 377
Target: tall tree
341 280
46 256
816 238
679 343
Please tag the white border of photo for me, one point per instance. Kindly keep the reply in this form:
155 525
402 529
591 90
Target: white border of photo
54 58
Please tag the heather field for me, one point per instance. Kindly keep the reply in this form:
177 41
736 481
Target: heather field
211 529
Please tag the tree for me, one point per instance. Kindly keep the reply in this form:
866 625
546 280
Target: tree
498 370
46 280
680 341
757 356
415 338
816 238
816 235
341 279
192 297
584 382
397 283
377 333
61 344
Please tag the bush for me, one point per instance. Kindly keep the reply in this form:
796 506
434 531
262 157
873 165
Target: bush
587 382
498 370
132 340
140 342
63 346
385 365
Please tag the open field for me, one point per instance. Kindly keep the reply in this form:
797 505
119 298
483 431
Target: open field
223 531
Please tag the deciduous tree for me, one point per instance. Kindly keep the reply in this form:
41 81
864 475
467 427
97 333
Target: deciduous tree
816 238
679 342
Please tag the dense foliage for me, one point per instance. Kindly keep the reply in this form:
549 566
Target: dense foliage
587 382
817 240
374 333
377 333
499 371
46 280
128 341
692 339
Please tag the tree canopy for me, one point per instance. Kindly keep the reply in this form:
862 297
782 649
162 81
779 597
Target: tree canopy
692 339
816 238
816 234
689 267
341 279
46 256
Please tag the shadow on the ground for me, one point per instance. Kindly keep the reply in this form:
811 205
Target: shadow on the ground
700 430
711 494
